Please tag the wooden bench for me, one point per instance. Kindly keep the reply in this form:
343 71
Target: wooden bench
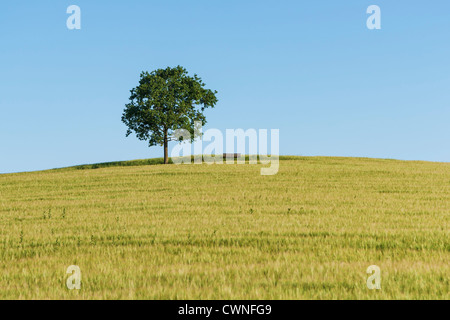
231 155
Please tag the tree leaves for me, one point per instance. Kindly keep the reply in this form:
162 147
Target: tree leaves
166 100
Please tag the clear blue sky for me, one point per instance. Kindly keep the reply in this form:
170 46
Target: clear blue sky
309 68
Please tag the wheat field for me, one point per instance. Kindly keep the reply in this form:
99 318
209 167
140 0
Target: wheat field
225 232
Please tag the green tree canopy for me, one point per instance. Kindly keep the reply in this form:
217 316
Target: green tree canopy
166 100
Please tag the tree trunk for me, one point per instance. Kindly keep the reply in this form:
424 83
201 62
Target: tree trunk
166 148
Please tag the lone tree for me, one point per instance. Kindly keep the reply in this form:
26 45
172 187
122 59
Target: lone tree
166 100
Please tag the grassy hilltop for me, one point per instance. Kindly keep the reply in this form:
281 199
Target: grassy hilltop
224 231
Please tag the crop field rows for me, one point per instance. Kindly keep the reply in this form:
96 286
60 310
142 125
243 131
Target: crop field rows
226 232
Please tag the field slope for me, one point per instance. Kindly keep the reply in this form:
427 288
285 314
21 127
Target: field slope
225 231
